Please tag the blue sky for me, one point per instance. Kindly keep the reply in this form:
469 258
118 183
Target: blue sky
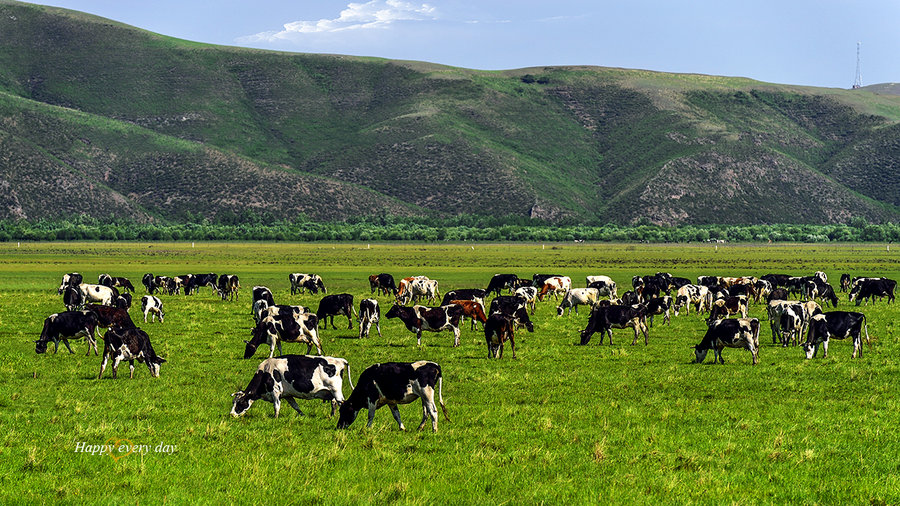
792 42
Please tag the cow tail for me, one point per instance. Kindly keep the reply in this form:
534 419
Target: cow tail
349 376
866 328
440 380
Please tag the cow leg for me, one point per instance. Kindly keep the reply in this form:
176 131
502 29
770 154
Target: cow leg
419 337
667 321
103 363
609 333
66 342
396 412
294 405
754 352
377 327
455 337
372 408
825 349
718 355
349 321
512 344
278 343
131 368
115 366
332 323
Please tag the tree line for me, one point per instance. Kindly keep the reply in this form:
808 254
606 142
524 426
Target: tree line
429 229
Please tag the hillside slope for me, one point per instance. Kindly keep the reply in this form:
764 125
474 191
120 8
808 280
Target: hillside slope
109 120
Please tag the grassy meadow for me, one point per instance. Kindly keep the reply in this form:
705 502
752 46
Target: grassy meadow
593 424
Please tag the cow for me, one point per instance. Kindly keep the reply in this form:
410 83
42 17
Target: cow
788 326
677 283
109 317
476 294
278 310
604 284
529 293
538 280
369 313
67 325
731 333
659 305
164 284
116 282
870 288
383 283
313 283
827 294
791 323
836 324
777 294
293 377
188 282
403 288
432 319
149 282
722 308
228 287
421 289
288 327
575 297
605 318
262 293
777 280
98 293
394 383
151 305
498 329
124 301
335 305
500 282
129 344
515 306
208 279
845 282
629 298
761 288
690 294
71 279
473 310
708 281
556 286
72 298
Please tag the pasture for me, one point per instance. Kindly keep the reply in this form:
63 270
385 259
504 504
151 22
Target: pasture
583 424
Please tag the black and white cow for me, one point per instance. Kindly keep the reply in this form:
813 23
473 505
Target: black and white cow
432 319
731 333
501 282
108 316
529 293
605 318
869 288
209 279
335 305
845 282
288 327
498 329
394 383
369 313
149 282
116 282
777 280
228 287
98 293
151 305
421 289
707 281
129 344
70 279
575 297
837 325
262 293
301 282
515 306
690 294
72 298
68 325
124 301
383 283
659 305
293 377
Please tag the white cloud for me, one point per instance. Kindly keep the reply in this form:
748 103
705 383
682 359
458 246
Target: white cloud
375 14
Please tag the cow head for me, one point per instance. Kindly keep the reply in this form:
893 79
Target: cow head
700 354
40 346
393 312
240 403
261 334
153 364
346 415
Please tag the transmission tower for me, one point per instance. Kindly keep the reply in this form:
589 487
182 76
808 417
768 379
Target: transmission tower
858 82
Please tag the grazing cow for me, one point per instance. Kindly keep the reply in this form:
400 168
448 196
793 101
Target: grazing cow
314 283
422 289
116 282
659 305
476 294
369 313
262 293
777 280
677 283
690 294
798 315
498 329
777 294
761 288
845 282
869 288
394 383
556 285
723 308
108 317
208 279
733 333
836 324
67 325
72 298
575 297
432 319
403 288
165 284
151 305
605 284
529 293
98 293
334 305
791 324
278 311
826 292
708 281
500 282
515 306
473 310
538 280
71 279
294 377
605 318
149 282
189 283
384 283
288 327
228 287
124 301
129 344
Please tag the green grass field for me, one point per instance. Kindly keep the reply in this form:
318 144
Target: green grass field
594 424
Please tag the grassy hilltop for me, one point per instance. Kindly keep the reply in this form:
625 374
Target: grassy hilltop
105 119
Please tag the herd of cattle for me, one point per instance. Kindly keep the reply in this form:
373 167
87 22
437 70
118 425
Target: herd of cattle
792 309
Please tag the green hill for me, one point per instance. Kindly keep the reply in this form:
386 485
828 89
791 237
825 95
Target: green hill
107 120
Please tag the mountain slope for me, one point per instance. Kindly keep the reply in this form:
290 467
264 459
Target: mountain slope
154 128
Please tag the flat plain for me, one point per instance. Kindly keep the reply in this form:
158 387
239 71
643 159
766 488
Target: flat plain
596 423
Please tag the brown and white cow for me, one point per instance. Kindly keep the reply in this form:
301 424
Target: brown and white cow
473 310
557 285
